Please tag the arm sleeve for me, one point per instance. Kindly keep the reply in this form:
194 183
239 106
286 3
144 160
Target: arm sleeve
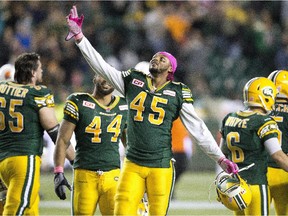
100 66
198 129
272 145
53 132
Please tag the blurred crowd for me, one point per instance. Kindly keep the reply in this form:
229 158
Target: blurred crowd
219 45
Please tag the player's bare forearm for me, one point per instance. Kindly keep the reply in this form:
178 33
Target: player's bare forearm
70 153
281 159
63 146
60 152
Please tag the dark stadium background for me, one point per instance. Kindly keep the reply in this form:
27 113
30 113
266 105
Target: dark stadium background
219 45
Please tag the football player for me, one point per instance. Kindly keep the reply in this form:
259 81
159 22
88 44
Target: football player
154 102
278 178
249 136
26 111
99 121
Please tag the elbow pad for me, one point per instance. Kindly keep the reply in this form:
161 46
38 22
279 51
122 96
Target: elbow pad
53 132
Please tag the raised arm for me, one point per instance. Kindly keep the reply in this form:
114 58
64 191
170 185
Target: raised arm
94 59
100 66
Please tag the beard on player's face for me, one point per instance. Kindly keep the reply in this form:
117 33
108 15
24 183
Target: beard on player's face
156 71
103 87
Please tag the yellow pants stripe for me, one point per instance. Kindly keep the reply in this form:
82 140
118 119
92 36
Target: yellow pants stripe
28 185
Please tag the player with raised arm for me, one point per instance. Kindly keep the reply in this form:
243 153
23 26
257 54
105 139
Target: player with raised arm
249 136
154 102
277 177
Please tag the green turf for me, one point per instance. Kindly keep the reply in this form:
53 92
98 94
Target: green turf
192 187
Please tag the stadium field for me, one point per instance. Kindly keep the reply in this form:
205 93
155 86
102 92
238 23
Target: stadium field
192 195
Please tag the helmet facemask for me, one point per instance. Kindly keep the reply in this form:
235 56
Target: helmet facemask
232 191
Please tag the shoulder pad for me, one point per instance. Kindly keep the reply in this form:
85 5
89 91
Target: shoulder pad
141 71
39 87
76 94
79 93
176 83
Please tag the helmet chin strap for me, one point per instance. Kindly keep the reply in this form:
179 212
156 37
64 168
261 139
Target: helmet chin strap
244 168
264 106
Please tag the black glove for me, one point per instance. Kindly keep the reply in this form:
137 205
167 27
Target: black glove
59 183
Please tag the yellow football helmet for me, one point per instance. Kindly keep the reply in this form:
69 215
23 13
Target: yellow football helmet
233 192
280 79
260 92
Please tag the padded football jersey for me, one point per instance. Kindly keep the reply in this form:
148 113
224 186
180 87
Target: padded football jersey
151 113
244 134
97 132
281 117
20 130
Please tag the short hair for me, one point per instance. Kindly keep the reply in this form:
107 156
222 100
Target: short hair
24 65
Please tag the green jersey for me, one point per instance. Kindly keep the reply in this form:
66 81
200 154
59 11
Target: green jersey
244 134
97 131
150 117
20 130
281 117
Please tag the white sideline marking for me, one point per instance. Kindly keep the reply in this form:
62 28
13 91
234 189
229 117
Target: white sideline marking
173 205
195 205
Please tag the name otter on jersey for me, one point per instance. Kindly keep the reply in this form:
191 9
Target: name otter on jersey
13 91
236 122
